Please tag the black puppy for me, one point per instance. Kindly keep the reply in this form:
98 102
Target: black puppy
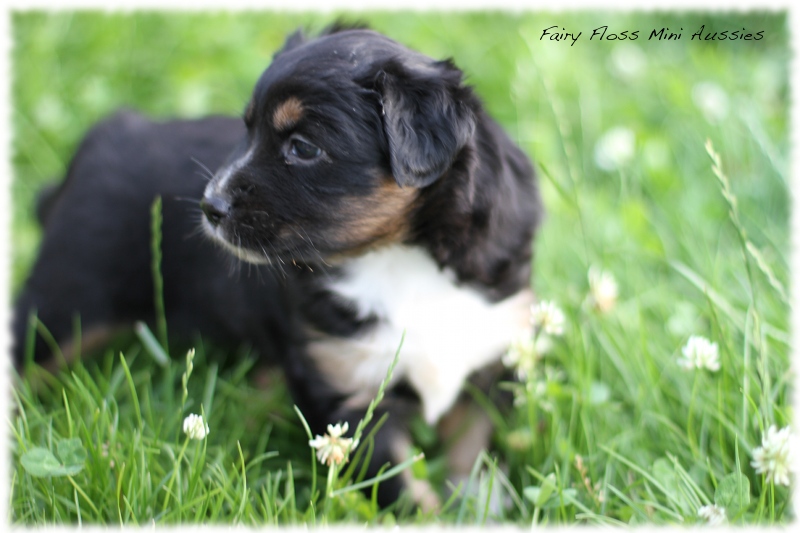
373 184
376 167
94 259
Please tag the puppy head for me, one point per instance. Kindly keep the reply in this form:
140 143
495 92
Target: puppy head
342 134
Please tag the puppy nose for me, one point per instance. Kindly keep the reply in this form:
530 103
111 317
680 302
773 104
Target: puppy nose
215 208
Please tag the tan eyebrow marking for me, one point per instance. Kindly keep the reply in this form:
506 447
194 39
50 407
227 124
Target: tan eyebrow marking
287 114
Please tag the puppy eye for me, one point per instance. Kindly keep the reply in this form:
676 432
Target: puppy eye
303 150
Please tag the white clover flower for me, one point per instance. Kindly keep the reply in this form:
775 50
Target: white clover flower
775 456
195 427
333 448
714 515
603 289
711 100
521 355
700 353
614 149
546 316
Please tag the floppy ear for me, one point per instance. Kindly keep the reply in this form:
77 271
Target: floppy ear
427 119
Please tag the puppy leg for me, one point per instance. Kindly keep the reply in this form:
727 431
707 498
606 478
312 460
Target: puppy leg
467 429
420 491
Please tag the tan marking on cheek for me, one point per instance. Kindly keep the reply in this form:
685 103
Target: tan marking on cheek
380 218
287 114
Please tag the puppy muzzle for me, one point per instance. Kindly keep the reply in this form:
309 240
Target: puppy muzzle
215 208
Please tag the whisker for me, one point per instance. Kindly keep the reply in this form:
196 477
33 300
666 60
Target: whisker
270 259
196 232
205 176
281 265
236 263
198 226
208 174
239 247
186 199
313 247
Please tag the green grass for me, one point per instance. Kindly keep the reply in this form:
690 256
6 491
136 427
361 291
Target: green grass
607 428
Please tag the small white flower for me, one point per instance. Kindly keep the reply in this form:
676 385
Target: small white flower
700 353
195 427
775 456
711 100
603 289
333 448
546 316
714 515
614 149
524 353
521 355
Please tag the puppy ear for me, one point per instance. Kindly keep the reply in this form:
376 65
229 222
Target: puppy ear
293 41
427 119
340 25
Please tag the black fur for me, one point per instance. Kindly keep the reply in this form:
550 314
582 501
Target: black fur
94 259
378 145
427 119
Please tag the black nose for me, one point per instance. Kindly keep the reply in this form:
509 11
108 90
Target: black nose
215 208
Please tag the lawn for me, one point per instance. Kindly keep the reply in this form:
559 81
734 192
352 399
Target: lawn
663 165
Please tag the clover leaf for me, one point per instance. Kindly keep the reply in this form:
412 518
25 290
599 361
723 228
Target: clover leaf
40 462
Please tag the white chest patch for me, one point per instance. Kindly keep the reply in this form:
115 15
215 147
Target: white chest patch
450 330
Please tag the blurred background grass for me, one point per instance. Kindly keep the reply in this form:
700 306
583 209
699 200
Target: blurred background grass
617 130
71 69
